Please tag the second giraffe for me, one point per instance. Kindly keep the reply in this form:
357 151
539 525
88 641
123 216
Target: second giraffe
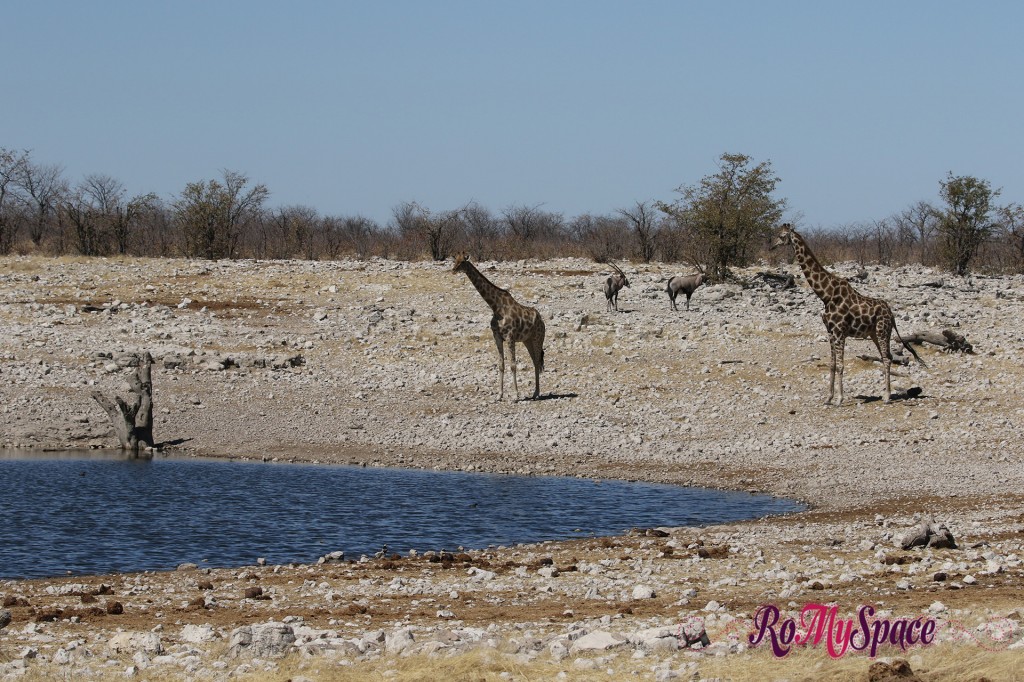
847 313
512 322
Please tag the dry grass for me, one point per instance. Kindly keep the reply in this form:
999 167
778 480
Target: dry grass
935 664
960 663
476 666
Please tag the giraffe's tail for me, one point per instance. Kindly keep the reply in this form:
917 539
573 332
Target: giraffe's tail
908 346
542 359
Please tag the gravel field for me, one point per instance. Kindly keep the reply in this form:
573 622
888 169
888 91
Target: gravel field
390 363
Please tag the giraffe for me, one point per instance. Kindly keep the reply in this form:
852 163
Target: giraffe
847 313
511 322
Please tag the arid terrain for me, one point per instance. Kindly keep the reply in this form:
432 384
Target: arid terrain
388 363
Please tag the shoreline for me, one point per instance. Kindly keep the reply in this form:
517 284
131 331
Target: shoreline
391 364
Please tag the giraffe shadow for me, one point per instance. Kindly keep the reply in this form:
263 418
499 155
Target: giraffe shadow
911 393
551 396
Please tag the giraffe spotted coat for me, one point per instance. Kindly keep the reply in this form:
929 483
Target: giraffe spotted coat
847 314
511 323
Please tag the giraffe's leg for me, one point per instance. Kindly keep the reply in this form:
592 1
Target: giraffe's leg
885 353
536 356
888 384
831 372
840 352
500 343
512 357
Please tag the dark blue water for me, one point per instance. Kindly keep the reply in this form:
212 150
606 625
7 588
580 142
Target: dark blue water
82 513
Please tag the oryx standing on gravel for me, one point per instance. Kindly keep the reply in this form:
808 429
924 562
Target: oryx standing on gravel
686 284
615 281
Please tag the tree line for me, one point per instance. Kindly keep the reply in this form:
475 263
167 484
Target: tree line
721 222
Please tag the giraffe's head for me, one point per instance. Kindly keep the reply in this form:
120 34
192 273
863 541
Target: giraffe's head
460 262
784 237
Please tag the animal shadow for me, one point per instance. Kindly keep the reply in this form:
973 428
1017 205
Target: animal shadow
911 393
176 441
554 396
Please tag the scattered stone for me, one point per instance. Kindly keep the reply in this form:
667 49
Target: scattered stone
197 634
662 639
480 574
267 640
332 557
896 671
928 534
599 640
132 642
398 641
173 362
643 592
720 552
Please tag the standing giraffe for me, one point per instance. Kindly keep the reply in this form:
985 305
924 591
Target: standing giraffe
512 322
847 313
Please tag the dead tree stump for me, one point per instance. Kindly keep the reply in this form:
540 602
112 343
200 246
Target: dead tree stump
133 423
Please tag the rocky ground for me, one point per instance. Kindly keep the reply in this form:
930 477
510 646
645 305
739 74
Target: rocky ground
389 363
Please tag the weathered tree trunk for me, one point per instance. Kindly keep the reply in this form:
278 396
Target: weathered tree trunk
133 423
947 339
776 280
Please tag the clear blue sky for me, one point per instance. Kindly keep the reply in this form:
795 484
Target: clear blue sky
586 106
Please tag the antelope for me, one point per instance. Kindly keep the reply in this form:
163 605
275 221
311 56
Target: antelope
686 284
616 281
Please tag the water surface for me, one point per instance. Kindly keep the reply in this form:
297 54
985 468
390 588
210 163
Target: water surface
86 513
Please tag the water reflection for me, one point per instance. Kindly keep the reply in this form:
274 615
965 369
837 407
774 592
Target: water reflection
88 512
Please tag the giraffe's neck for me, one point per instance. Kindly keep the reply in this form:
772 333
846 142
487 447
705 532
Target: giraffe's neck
817 276
495 296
